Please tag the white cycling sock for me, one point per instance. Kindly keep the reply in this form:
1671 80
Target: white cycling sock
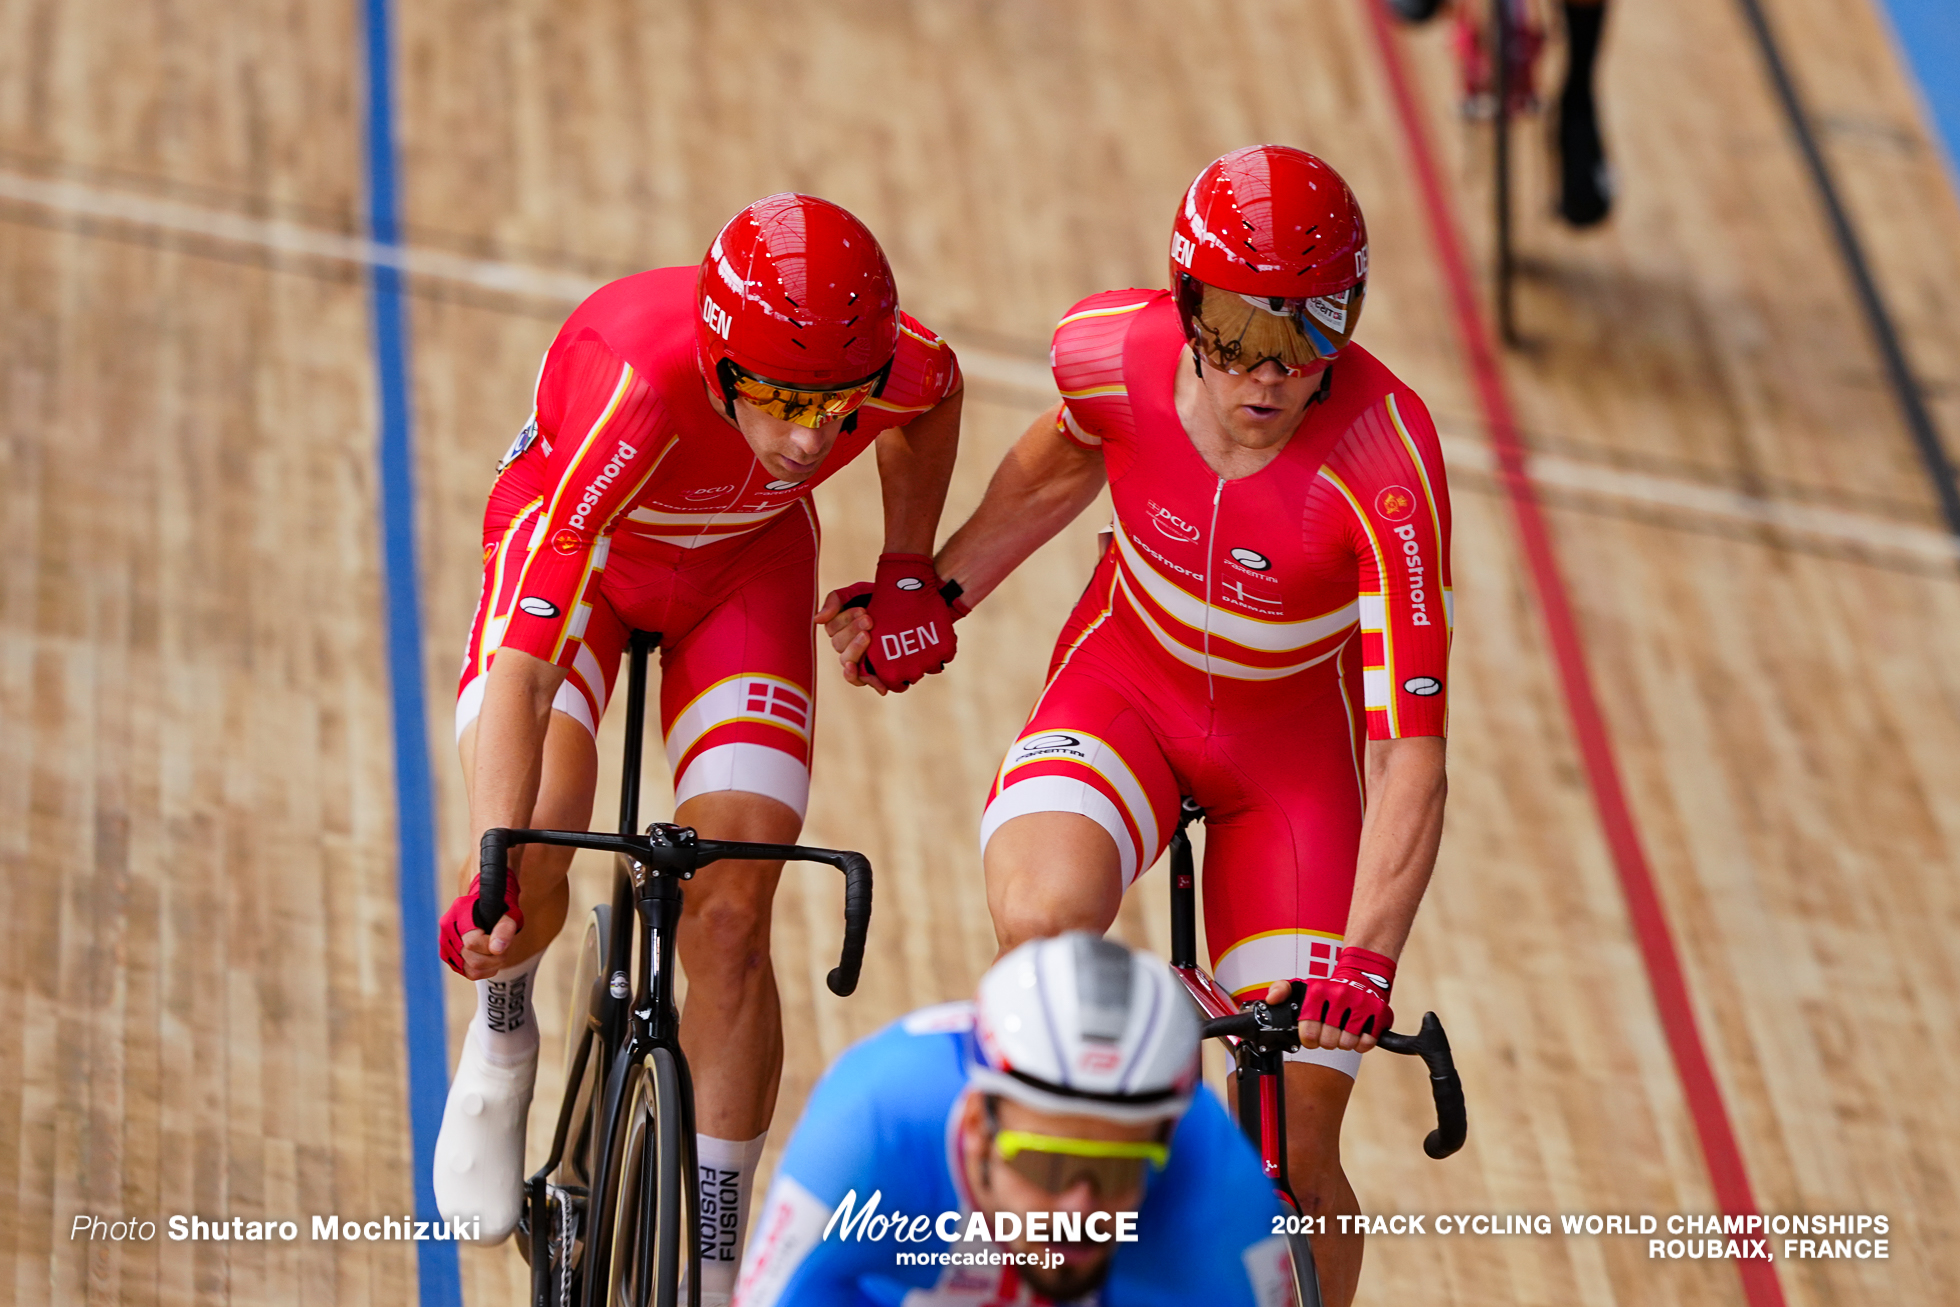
506 1024
727 1177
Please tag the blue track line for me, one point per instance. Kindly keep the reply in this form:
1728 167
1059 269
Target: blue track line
427 1035
1929 33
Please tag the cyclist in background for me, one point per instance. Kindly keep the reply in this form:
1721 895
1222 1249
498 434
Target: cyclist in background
1070 1085
682 419
1585 195
1269 632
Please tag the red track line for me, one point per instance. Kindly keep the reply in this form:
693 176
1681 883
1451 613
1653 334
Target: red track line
1670 986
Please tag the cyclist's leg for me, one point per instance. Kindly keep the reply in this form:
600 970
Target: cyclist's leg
1083 804
737 711
1585 181
1283 806
480 1149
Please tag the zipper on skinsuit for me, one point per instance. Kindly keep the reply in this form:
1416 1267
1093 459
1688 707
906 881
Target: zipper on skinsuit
1211 554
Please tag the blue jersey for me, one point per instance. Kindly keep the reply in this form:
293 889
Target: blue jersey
883 1123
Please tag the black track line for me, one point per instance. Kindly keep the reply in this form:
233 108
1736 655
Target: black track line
1912 404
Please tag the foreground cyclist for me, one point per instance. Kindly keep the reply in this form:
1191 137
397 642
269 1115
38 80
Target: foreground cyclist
1268 633
1069 1086
682 418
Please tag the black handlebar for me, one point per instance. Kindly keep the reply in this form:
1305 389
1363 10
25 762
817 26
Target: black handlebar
1269 1025
1275 1026
1445 1086
676 850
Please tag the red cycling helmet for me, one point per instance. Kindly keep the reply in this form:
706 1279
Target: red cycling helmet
795 293
1273 223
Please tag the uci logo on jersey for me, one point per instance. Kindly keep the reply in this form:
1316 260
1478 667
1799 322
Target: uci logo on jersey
1171 525
519 445
1423 686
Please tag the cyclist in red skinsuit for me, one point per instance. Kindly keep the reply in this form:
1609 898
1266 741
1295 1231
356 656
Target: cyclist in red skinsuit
1268 631
643 531
682 418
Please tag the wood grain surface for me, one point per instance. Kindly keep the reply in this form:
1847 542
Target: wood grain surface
195 814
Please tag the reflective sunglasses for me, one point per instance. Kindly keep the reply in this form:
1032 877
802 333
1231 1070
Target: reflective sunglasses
806 408
1237 333
1055 1164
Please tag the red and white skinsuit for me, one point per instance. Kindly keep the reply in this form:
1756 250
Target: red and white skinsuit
1241 639
630 503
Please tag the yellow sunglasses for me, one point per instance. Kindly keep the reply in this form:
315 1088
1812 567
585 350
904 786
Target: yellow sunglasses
1056 1163
806 408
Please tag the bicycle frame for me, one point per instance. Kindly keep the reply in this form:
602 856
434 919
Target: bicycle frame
640 1014
1258 1071
1257 1035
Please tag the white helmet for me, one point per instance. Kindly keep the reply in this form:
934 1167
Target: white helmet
1079 1025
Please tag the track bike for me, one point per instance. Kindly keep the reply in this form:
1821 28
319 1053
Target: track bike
1497 45
605 1216
1258 1035
1498 52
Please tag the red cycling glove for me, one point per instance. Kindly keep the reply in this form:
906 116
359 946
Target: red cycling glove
1355 997
460 920
911 621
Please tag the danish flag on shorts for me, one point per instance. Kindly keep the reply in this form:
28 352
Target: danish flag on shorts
774 699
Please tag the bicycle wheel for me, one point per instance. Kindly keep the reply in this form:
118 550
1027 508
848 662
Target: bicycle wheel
1306 1280
592 1015
588 1028
636 1244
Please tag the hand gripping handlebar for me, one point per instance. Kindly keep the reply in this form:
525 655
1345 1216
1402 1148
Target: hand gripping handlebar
1276 1026
678 851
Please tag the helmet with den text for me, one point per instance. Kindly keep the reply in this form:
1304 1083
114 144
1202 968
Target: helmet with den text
796 310
1269 260
1079 1025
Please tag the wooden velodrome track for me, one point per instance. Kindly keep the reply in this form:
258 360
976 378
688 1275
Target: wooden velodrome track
203 993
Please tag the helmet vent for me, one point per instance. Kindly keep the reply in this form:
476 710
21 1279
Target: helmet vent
1102 983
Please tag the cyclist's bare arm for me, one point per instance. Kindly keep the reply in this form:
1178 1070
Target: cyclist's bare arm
1045 481
508 761
1042 485
1399 836
915 465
